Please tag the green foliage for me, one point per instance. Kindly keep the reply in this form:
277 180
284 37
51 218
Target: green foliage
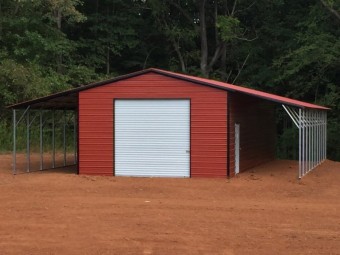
287 144
20 82
309 67
287 47
66 8
229 27
6 136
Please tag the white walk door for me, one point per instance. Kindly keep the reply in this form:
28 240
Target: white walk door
237 148
152 138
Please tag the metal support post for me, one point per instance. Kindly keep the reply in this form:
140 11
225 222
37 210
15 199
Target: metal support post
309 142
14 142
303 142
325 135
313 139
53 139
28 152
41 141
300 124
75 137
316 138
319 138
321 133
64 137
307 148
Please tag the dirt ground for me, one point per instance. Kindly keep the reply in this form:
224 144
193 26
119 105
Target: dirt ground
262 211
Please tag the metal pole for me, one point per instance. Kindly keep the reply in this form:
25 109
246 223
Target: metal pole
23 115
306 142
322 124
41 141
309 142
292 115
319 134
325 135
303 142
28 152
74 138
300 143
322 135
316 138
64 137
313 142
14 142
53 140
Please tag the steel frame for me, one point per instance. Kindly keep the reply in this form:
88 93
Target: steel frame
312 125
29 121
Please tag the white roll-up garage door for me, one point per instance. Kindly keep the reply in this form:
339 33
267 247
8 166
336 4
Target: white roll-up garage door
152 138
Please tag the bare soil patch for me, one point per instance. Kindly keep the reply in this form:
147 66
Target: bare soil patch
263 211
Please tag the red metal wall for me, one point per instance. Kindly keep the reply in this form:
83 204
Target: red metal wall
257 130
208 122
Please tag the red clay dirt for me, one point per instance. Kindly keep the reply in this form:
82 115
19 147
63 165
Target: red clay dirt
263 211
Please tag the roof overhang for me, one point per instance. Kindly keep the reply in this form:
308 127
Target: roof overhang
69 99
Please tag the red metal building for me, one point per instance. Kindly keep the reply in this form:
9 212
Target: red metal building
160 123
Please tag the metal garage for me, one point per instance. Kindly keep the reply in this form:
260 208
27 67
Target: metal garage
159 123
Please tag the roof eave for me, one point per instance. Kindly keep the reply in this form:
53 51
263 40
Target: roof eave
76 90
233 90
158 71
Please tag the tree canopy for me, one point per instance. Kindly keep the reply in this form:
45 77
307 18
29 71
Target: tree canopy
287 47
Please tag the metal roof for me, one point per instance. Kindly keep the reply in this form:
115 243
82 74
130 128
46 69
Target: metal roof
69 99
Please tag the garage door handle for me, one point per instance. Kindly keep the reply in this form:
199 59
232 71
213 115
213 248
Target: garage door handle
187 151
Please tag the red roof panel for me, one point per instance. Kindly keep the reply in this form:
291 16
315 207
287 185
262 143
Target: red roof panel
251 92
39 102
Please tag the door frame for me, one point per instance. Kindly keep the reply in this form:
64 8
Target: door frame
237 148
145 98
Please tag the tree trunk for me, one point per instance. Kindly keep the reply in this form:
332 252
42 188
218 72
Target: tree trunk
204 40
180 56
16 9
223 66
330 9
215 17
59 55
0 21
96 22
108 61
59 16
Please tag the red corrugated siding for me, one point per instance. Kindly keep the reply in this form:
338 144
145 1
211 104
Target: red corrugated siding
208 122
257 130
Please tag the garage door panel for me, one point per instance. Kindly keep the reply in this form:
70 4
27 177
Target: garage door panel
152 138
